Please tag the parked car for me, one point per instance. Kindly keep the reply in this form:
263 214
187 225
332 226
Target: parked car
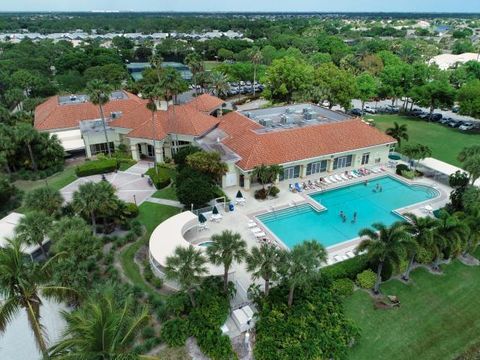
456 109
455 123
392 109
466 126
445 120
435 117
356 112
369 109
417 112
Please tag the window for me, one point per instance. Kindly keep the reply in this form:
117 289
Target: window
101 148
290 172
150 150
317 167
342 162
365 158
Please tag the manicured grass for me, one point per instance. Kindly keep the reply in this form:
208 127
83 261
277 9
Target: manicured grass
126 165
210 65
438 317
150 215
166 193
56 181
444 141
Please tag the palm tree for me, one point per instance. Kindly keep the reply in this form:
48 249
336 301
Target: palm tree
226 248
266 174
398 132
101 329
186 266
422 230
26 134
156 61
195 63
153 94
219 83
298 266
262 262
256 58
384 244
23 284
33 228
44 199
450 235
99 94
472 220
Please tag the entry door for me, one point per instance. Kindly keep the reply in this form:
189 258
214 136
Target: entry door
289 173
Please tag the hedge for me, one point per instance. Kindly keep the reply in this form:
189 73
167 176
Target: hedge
348 268
161 179
96 167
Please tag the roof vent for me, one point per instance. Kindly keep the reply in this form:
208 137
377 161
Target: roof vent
289 111
73 97
115 115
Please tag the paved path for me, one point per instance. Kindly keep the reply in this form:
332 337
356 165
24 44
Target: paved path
165 202
139 168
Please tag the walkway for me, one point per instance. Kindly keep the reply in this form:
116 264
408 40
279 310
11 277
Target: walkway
139 168
167 202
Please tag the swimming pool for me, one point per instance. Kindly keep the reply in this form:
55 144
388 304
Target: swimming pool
299 223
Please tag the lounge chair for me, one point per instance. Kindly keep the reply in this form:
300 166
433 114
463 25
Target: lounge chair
256 230
298 187
327 181
216 217
338 177
344 177
353 175
339 258
310 184
260 234
357 172
202 227
318 184
251 225
240 201
305 186
350 254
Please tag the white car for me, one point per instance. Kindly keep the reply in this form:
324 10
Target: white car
369 109
466 127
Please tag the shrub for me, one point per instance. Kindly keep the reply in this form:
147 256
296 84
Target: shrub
401 168
408 174
131 210
260 194
96 167
194 188
424 256
274 191
402 267
163 178
348 268
215 345
366 279
343 287
148 332
175 332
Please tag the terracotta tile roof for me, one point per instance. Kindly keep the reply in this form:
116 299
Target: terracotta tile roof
283 146
178 119
51 115
206 103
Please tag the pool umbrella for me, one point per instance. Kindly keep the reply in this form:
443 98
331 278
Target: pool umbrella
202 218
215 210
239 195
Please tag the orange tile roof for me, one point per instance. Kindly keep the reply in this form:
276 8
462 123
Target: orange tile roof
206 103
51 115
283 146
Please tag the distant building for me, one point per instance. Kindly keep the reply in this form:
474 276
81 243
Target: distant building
448 61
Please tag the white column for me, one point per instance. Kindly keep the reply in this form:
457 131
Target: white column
303 171
134 150
246 182
159 153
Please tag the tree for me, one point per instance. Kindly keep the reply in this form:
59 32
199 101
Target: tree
219 83
194 188
472 165
102 328
469 99
468 152
226 248
44 199
195 63
23 284
208 163
172 83
99 94
26 135
286 78
9 195
367 87
335 85
462 46
384 244
266 174
153 93
435 94
299 265
459 182
256 57
422 230
186 266
398 132
32 229
263 262
417 152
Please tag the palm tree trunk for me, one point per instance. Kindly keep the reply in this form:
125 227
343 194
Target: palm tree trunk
290 295
42 249
225 278
153 139
436 263
36 327
34 164
379 278
105 131
94 224
192 299
267 287
254 78
406 275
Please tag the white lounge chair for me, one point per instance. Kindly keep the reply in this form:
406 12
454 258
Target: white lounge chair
352 174
344 177
251 224
256 230
350 254
260 234
338 177
240 201
332 179
339 258
327 180
216 217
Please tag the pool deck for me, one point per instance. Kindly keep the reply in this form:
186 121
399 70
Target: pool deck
237 220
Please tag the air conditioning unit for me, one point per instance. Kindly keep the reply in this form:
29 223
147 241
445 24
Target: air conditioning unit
306 110
307 116
284 119
266 122
289 111
115 115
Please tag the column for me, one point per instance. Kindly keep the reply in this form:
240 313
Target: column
246 182
134 150
330 165
303 171
159 153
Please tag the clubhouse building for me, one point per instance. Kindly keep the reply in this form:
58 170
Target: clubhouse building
304 138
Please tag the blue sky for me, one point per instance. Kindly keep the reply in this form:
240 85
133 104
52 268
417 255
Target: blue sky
245 5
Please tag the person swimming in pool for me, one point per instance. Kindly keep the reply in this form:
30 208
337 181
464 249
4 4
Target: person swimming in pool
354 220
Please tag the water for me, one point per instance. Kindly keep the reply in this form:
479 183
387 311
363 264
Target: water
297 224
205 244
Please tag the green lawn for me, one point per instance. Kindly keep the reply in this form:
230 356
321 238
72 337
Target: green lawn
439 317
444 141
210 65
125 165
166 193
150 216
56 181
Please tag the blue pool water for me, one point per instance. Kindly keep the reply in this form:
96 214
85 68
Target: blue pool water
205 244
300 223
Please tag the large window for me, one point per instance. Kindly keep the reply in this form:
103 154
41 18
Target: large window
342 162
290 172
317 167
101 148
365 158
150 150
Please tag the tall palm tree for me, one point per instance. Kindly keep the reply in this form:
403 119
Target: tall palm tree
256 57
195 63
263 262
299 265
472 220
383 244
153 94
226 248
398 132
450 234
44 199
26 134
422 230
219 83
156 61
33 228
99 94
23 284
186 266
101 329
